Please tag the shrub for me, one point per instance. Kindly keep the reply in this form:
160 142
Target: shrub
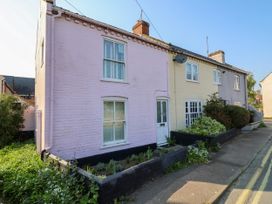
26 179
239 115
215 108
206 126
230 116
197 154
11 119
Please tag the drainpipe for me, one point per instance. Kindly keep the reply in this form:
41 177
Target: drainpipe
52 66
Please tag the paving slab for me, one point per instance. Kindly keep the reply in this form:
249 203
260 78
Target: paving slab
205 183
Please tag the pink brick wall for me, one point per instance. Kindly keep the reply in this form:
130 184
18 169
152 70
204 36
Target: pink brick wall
79 91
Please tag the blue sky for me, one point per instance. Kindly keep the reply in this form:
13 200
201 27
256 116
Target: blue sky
243 29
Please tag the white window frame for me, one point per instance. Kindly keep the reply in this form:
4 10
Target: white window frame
217 77
114 100
191 64
112 78
237 82
188 113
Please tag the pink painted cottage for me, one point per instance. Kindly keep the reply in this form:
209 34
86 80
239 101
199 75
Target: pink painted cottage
99 89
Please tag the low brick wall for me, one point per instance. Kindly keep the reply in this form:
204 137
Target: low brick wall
127 181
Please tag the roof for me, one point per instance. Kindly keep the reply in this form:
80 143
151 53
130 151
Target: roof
21 85
151 40
265 77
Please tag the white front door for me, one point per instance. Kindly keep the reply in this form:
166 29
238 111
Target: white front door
162 121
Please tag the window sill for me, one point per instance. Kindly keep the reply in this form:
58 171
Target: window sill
218 84
111 145
114 81
192 81
238 90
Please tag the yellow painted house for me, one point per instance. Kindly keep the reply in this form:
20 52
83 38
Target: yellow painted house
266 85
193 78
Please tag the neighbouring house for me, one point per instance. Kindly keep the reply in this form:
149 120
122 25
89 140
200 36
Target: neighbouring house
266 89
193 78
23 88
99 88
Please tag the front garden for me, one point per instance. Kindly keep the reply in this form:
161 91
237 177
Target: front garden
25 178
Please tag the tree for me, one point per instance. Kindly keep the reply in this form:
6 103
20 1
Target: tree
250 90
11 118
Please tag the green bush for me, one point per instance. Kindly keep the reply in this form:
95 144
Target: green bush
206 126
230 116
215 108
11 119
239 115
24 178
197 154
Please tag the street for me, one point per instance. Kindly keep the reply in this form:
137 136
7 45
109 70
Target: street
255 184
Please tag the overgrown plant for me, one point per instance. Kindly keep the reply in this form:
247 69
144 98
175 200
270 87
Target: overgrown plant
26 179
197 154
206 126
170 141
11 119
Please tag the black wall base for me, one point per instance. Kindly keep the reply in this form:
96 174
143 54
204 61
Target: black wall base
116 155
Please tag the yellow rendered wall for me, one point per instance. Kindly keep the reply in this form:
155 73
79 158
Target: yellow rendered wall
267 96
182 90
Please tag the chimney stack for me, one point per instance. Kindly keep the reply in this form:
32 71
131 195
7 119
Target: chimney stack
218 56
141 28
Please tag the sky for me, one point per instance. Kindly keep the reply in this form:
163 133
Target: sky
242 29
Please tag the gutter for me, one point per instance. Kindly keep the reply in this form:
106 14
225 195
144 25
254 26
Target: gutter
52 66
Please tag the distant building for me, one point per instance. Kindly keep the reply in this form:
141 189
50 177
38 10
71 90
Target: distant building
21 86
266 85
24 89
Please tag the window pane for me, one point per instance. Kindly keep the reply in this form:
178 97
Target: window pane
188 71
158 112
107 69
118 71
108 111
119 52
119 111
119 131
108 132
195 71
214 76
164 112
108 49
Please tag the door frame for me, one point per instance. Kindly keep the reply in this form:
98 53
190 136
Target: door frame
167 114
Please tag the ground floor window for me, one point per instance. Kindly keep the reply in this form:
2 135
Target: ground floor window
193 110
114 121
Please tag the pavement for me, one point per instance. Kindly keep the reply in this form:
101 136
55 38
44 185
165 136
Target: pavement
255 184
206 183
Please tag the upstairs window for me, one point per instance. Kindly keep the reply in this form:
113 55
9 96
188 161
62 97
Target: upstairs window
114 60
237 82
191 72
217 76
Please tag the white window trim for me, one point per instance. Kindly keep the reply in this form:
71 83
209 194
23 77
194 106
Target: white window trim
125 61
237 88
189 111
218 82
192 80
116 142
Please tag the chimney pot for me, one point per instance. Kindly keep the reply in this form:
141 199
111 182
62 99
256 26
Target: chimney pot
218 56
141 28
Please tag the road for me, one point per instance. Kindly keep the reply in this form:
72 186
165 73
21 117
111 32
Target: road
254 186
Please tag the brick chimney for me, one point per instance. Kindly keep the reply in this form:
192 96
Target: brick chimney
141 28
219 56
